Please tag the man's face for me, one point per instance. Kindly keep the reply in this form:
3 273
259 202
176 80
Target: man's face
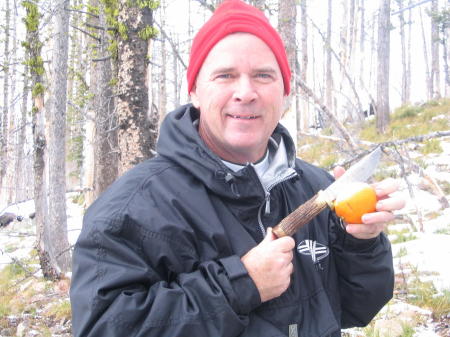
239 92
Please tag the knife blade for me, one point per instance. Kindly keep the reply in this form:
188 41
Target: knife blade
360 172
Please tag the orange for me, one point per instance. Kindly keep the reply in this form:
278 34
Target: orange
356 200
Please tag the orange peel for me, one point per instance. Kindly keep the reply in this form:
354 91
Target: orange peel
357 200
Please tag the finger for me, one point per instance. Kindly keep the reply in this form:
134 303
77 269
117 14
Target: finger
290 268
386 187
285 244
377 217
338 171
363 231
390 204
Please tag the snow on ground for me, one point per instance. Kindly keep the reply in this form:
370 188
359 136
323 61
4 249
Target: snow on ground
18 238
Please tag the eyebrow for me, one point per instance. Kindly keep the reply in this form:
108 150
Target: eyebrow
231 69
223 70
265 70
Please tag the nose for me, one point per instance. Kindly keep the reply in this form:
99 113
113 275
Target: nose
245 91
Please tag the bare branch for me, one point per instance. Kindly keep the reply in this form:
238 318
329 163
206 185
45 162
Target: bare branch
346 74
172 44
410 7
82 12
206 5
101 59
87 33
347 137
417 138
90 25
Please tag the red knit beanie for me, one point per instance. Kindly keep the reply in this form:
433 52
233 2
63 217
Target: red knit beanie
231 17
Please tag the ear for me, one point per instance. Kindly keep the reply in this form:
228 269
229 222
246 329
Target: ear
194 97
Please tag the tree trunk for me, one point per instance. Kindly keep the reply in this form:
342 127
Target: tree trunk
5 112
303 113
137 134
105 145
176 77
76 91
163 69
15 117
343 41
435 74
328 72
445 30
408 56
428 78
36 67
362 39
404 91
287 16
55 232
383 55
20 172
352 35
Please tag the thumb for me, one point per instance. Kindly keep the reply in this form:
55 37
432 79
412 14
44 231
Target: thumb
269 235
338 171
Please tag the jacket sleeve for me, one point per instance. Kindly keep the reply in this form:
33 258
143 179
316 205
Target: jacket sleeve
366 276
120 290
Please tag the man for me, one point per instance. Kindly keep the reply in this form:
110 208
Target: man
182 244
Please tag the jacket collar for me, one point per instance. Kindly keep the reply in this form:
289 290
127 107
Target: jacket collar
180 142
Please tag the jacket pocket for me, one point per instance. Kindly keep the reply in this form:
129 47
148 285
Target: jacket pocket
318 319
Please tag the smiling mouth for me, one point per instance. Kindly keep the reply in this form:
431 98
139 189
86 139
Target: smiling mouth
243 117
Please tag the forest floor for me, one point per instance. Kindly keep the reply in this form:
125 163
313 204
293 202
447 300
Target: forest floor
32 306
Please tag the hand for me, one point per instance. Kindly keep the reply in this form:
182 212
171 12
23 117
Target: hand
374 223
270 266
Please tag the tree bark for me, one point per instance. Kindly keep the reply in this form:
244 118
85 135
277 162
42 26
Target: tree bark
35 64
428 78
343 41
20 180
106 142
383 55
287 16
362 39
404 91
163 69
55 232
5 112
15 117
408 56
435 74
328 74
137 133
303 113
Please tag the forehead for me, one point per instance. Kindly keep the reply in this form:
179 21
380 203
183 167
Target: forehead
239 49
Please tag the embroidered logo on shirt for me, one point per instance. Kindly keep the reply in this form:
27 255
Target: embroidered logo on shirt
316 250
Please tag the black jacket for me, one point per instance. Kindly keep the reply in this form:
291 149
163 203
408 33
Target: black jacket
159 252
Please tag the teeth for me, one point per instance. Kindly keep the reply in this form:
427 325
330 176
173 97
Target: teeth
242 117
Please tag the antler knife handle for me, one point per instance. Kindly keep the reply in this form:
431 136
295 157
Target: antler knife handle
301 216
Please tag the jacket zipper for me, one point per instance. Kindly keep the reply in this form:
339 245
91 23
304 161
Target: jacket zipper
267 200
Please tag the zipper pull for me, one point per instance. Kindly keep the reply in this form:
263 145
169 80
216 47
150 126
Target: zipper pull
267 210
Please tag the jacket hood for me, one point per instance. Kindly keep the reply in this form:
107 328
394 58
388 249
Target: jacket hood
180 142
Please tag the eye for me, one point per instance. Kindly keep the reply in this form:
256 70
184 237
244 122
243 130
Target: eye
264 77
224 76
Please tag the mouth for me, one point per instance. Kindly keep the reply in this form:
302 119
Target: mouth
243 117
